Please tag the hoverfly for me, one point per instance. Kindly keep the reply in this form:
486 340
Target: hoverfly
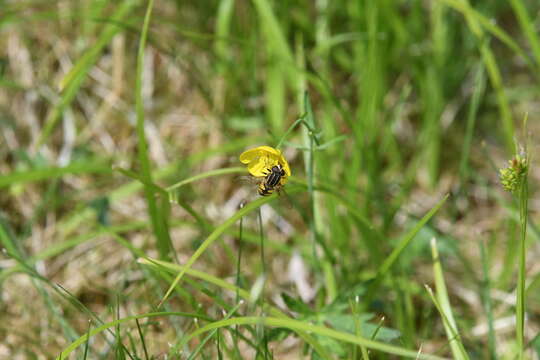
268 169
272 181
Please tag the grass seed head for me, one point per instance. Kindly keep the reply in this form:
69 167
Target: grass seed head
512 175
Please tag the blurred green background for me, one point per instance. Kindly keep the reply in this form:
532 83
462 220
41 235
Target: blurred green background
114 149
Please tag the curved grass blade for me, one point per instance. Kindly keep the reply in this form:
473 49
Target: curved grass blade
211 173
81 340
213 236
194 354
244 294
322 331
490 27
391 259
387 264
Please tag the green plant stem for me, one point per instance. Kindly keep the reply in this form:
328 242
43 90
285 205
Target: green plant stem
289 130
261 296
486 300
520 300
237 281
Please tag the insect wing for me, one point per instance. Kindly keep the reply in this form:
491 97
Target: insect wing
284 198
248 179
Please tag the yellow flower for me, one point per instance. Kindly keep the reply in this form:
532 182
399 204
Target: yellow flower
260 161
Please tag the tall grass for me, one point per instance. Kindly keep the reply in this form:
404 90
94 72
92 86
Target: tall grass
394 116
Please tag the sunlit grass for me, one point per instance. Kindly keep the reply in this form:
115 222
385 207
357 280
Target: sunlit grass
125 230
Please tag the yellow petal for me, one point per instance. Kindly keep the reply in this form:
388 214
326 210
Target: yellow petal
252 154
269 149
247 156
263 158
257 169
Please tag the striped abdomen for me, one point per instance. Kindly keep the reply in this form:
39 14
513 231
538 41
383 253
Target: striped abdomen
272 179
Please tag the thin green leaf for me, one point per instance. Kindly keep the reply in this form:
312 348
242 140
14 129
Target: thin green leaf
314 329
391 259
444 307
158 214
214 236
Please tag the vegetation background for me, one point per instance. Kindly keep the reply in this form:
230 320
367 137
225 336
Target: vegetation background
121 126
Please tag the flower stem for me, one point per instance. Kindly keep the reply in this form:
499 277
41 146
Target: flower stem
523 198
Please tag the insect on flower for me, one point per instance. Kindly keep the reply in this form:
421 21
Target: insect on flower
268 167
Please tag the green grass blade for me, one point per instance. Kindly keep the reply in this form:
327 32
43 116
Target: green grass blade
353 304
147 183
87 340
143 342
214 236
280 68
491 27
81 340
223 46
223 24
244 294
13 249
273 31
479 86
494 73
158 211
528 27
7 240
142 144
322 331
212 333
486 300
72 81
444 307
317 224
65 245
72 222
205 175
34 175
391 259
